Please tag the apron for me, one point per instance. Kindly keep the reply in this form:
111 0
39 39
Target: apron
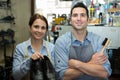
27 76
84 54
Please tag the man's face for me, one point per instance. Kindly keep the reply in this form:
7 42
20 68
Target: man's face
79 18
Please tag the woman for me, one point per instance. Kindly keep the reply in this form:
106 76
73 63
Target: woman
32 49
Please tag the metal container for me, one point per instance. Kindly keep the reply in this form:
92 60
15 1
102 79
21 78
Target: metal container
110 21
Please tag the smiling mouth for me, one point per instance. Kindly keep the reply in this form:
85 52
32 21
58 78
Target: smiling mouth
79 24
38 35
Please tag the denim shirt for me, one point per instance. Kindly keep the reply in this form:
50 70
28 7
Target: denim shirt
62 47
21 57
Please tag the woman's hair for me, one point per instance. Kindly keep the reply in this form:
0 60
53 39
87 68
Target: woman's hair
80 4
38 16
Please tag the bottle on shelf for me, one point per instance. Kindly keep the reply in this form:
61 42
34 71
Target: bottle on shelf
92 9
100 17
97 9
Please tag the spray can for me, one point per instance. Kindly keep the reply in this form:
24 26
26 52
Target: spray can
110 21
100 17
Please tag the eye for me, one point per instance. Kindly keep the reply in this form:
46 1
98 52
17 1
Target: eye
43 28
36 26
83 15
74 15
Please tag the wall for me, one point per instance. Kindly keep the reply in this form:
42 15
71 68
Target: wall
112 33
54 8
21 10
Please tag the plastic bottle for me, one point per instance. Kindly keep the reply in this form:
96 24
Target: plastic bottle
92 9
106 7
97 9
100 17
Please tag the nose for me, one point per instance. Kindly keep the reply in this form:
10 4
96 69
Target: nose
79 17
39 29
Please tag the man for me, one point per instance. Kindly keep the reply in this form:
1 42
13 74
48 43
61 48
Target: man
78 53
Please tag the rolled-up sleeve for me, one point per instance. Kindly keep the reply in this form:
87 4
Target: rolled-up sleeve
20 66
61 57
107 64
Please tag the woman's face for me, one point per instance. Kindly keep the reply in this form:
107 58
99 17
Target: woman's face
38 29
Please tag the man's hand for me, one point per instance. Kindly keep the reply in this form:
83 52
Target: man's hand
98 58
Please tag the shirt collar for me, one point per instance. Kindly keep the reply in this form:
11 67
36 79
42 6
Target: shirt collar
73 38
29 45
88 37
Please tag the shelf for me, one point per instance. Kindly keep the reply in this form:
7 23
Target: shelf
113 10
5 8
5 5
7 19
1 21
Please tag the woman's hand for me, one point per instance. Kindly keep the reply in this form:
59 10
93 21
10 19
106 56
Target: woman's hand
36 56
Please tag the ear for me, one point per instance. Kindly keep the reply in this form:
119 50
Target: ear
30 28
70 22
88 19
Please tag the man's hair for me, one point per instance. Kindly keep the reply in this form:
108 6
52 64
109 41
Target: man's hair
80 4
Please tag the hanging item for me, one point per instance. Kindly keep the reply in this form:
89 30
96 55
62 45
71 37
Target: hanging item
42 69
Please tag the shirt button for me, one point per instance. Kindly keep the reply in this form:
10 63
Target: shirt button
58 61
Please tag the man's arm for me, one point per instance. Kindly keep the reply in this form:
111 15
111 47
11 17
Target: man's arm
93 67
72 73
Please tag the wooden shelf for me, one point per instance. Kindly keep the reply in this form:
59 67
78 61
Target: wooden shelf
113 10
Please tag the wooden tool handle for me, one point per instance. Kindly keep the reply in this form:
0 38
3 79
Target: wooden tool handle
105 46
